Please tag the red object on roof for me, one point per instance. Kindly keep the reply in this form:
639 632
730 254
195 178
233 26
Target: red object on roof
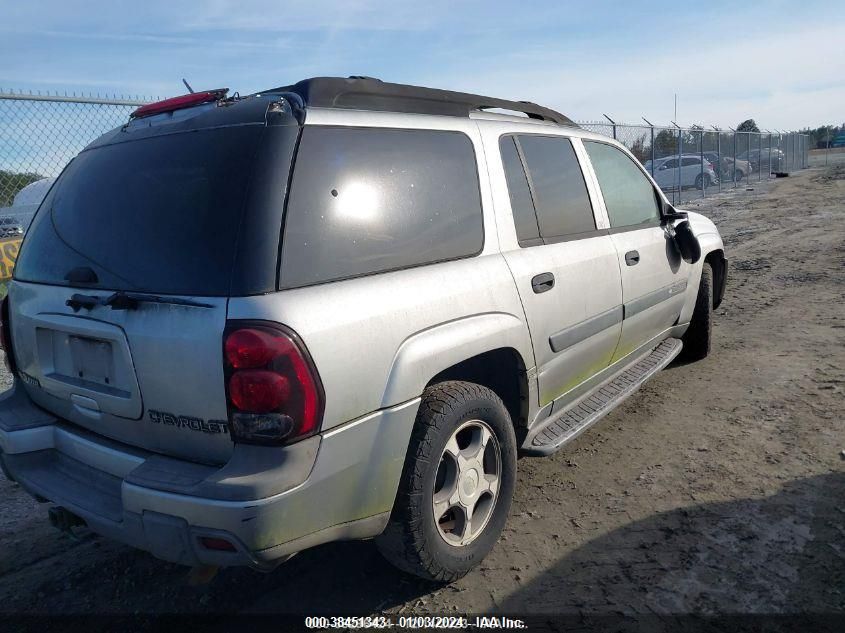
178 103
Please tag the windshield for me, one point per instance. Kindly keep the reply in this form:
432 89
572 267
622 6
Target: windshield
159 214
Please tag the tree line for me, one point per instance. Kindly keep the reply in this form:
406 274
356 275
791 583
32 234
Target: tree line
11 183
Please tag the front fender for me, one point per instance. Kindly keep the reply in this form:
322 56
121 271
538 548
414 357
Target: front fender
710 241
427 353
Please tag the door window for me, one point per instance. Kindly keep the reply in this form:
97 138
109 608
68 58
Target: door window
628 194
557 187
522 206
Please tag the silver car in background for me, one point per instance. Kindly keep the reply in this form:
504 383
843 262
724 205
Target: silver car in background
685 171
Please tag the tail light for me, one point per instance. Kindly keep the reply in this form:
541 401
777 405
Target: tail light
273 390
6 335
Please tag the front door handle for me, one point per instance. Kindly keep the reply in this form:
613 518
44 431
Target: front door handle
632 258
542 282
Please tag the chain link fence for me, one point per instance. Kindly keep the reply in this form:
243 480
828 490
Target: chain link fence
693 162
40 134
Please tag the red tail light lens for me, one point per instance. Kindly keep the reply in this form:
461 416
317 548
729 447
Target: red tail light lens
250 348
274 392
258 390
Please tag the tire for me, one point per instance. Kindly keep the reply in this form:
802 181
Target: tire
698 337
415 540
702 182
738 175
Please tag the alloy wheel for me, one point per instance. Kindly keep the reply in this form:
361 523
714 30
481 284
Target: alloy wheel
467 483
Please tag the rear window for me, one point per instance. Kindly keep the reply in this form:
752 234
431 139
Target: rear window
159 214
367 200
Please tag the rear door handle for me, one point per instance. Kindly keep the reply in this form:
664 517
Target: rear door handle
632 258
542 282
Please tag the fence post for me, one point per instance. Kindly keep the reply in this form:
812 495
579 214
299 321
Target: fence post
651 127
701 161
748 153
719 156
770 157
613 123
805 154
733 175
680 152
760 152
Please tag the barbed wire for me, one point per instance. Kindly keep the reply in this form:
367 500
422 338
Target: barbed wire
41 132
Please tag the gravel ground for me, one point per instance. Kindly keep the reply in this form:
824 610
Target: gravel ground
717 489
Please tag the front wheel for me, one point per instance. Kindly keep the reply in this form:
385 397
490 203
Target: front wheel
702 182
457 483
698 337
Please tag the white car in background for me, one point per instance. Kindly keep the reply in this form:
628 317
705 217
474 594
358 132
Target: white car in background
666 174
15 220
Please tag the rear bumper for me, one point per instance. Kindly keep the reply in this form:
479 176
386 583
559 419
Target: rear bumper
267 502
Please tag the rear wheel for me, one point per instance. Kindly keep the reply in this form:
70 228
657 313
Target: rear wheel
457 483
698 336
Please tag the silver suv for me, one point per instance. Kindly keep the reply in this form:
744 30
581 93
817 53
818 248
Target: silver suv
241 327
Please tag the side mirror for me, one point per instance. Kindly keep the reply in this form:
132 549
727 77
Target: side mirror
662 167
671 213
687 242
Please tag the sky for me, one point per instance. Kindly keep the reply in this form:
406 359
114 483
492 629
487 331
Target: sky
781 63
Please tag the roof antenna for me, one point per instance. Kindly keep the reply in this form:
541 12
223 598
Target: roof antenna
187 85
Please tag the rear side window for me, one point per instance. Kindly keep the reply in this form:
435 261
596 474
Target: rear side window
687 162
367 200
522 207
628 195
558 187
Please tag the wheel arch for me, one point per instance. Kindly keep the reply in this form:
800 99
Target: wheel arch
717 261
503 371
492 349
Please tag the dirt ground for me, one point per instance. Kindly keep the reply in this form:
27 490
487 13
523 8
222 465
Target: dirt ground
718 488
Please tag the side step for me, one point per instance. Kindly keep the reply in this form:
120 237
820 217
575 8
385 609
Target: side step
568 424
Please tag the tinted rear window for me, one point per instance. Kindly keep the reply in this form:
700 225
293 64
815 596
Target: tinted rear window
160 214
366 200
522 207
560 193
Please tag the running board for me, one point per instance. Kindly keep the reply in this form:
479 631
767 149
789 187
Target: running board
560 428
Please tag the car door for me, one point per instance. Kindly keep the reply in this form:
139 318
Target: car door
654 276
690 170
563 261
667 174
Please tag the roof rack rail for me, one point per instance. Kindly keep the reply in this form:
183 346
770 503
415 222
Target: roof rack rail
367 93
